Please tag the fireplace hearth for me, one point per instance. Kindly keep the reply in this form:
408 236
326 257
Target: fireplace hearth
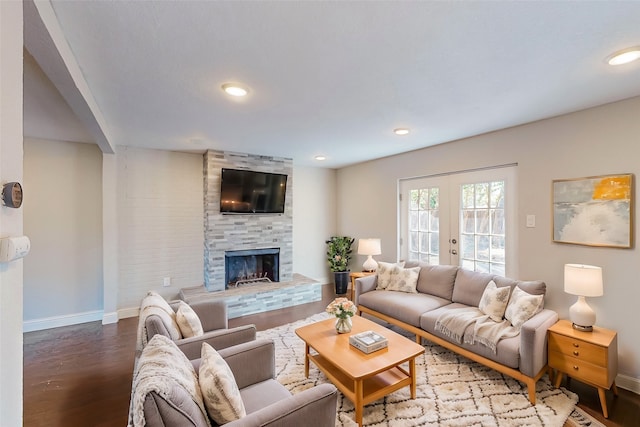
252 266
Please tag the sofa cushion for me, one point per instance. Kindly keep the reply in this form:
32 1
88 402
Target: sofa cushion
260 395
533 287
469 286
385 272
402 306
522 307
405 280
507 351
188 321
494 301
437 280
219 389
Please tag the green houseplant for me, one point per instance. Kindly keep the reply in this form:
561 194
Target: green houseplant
338 256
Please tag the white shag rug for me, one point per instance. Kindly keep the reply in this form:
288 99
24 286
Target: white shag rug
451 391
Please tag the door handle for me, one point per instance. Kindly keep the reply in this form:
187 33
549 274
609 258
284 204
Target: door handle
453 252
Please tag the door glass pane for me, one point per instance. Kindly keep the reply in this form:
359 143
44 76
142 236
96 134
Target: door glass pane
482 226
424 225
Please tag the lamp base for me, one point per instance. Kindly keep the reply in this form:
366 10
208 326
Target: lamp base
370 264
582 328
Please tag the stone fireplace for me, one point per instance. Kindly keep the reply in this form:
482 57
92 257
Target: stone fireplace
252 266
228 233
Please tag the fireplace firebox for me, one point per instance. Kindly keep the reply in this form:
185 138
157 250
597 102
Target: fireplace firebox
246 267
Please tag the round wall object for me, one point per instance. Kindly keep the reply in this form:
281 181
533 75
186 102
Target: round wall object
12 194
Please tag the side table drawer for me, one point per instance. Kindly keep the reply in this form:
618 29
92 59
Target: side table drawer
579 349
580 369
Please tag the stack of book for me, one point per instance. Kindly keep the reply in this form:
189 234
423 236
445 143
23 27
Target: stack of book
368 341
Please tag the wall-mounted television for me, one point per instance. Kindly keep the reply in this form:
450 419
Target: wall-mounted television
252 192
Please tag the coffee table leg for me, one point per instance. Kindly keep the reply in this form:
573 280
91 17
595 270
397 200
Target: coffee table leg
412 372
306 360
359 400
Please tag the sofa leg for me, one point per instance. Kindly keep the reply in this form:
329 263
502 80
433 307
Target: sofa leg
531 388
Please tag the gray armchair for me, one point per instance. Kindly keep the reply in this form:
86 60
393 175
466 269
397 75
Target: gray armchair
267 402
213 316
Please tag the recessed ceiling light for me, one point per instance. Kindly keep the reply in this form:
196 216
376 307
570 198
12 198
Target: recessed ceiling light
235 89
320 158
624 56
401 131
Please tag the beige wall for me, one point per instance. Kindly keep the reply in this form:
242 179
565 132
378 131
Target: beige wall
314 220
11 219
63 218
160 224
597 141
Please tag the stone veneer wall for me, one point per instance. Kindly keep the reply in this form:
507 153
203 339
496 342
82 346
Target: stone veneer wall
239 232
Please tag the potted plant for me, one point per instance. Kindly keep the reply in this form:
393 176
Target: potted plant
338 256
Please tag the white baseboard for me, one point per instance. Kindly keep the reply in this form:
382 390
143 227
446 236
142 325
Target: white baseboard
109 318
123 313
628 383
58 321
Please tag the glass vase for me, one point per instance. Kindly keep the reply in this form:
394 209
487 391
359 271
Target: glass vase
343 325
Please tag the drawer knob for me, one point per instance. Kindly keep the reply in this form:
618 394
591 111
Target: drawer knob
576 368
575 344
576 353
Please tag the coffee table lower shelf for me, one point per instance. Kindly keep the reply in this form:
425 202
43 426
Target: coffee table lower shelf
372 388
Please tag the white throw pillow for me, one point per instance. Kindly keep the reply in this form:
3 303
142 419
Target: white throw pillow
406 280
385 272
522 307
219 389
494 301
188 321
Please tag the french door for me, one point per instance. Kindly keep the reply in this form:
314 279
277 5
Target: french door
466 219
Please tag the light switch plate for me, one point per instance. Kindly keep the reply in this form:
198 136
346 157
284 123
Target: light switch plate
531 221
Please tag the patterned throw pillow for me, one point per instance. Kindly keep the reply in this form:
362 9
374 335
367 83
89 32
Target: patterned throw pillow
219 389
494 301
188 321
522 307
385 272
405 280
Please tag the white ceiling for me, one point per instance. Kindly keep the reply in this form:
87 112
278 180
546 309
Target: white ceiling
335 78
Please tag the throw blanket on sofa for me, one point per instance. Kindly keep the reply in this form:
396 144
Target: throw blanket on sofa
455 324
161 368
155 304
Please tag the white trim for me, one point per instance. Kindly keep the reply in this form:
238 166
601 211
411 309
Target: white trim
123 313
109 318
57 321
628 383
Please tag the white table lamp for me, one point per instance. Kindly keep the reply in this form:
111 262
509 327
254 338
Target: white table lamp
369 247
584 281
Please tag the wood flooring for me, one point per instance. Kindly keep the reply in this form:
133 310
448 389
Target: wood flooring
81 375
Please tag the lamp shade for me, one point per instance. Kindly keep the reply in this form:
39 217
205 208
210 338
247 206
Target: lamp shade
583 280
369 247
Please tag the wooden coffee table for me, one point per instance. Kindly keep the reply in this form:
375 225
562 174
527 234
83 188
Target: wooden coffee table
362 378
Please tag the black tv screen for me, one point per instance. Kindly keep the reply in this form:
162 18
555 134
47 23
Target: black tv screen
249 192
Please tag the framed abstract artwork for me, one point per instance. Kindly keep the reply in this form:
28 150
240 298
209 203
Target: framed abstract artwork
594 211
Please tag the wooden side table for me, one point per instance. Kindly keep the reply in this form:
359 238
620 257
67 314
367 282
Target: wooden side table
590 357
354 276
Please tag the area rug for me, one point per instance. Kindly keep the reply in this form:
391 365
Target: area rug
451 391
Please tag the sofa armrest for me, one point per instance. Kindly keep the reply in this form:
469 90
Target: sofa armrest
218 339
212 314
251 362
533 342
365 284
314 407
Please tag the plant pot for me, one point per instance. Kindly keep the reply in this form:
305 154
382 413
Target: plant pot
341 279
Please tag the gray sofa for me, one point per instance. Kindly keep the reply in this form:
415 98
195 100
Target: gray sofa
445 287
267 402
